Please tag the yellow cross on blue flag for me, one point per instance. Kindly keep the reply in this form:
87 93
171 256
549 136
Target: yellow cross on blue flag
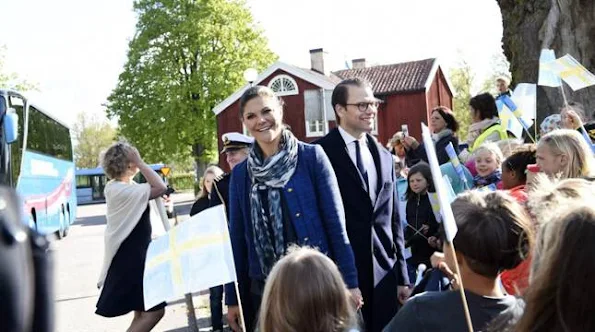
193 256
434 201
448 219
517 112
546 76
572 72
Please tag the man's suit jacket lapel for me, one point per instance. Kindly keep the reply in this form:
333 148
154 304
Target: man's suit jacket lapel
373 146
341 155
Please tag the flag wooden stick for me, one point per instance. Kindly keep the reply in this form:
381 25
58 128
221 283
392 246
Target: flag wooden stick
528 133
461 288
564 95
190 313
237 287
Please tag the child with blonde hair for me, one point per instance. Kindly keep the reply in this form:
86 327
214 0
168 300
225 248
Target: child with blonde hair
305 292
564 153
561 291
488 162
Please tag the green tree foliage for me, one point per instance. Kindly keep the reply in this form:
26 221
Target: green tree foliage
92 136
499 67
462 78
186 57
11 80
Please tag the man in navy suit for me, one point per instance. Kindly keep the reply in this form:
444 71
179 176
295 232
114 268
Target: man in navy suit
367 182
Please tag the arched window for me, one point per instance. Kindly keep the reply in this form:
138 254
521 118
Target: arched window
284 85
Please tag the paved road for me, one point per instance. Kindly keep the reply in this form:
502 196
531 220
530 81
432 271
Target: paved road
78 262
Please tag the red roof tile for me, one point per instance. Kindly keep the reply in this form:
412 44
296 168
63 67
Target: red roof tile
399 77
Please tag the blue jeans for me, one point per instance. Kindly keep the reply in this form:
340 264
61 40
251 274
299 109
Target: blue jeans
216 304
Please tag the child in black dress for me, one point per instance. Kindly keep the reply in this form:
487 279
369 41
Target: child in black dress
127 237
421 233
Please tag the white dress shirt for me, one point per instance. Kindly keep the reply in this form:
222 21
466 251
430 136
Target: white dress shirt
367 160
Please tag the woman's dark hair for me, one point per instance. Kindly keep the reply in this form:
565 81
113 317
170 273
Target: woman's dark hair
448 116
485 104
494 231
560 297
425 171
257 91
519 159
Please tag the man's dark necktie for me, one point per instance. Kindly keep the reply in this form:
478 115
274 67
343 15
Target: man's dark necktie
360 164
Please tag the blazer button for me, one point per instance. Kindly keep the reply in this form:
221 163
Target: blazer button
306 239
297 215
290 190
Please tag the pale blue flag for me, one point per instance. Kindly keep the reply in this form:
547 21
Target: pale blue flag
546 76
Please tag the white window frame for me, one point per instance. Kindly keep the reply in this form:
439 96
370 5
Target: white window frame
285 93
245 130
375 126
320 126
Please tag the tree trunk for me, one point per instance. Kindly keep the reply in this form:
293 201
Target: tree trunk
567 27
198 151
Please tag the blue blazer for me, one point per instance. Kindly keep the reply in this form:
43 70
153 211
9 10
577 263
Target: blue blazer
314 203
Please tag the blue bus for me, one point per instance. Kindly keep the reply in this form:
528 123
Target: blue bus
37 159
90 183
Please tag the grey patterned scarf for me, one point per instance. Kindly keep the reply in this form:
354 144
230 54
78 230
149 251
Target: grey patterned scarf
270 174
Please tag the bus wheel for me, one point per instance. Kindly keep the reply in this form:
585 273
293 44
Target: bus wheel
66 223
62 227
33 220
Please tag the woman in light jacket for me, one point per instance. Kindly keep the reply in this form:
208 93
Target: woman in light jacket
285 193
485 126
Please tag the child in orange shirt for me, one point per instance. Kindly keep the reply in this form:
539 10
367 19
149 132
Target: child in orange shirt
514 180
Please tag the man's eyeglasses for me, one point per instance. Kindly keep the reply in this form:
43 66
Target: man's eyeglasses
363 106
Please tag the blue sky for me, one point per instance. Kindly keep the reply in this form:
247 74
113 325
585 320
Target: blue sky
75 49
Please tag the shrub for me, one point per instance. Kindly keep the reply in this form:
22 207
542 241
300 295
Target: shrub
181 181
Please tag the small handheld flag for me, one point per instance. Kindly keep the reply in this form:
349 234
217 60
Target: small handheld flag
454 159
448 219
517 112
572 72
546 76
489 187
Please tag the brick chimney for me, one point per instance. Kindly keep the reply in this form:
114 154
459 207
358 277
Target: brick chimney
358 63
317 59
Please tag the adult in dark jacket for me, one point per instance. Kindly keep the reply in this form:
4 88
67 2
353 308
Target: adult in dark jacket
444 127
285 193
367 181
235 148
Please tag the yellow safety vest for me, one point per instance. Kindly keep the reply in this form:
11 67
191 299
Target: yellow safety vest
483 136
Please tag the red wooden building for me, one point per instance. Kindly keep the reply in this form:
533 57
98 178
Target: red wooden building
409 91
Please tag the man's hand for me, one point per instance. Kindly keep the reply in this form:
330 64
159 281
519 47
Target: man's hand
357 298
424 229
403 292
233 317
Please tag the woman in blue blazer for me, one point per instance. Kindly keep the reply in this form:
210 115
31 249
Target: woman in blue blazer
285 193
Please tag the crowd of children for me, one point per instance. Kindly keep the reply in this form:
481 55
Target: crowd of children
524 244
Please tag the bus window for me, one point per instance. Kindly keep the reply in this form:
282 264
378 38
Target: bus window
83 181
41 129
16 148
